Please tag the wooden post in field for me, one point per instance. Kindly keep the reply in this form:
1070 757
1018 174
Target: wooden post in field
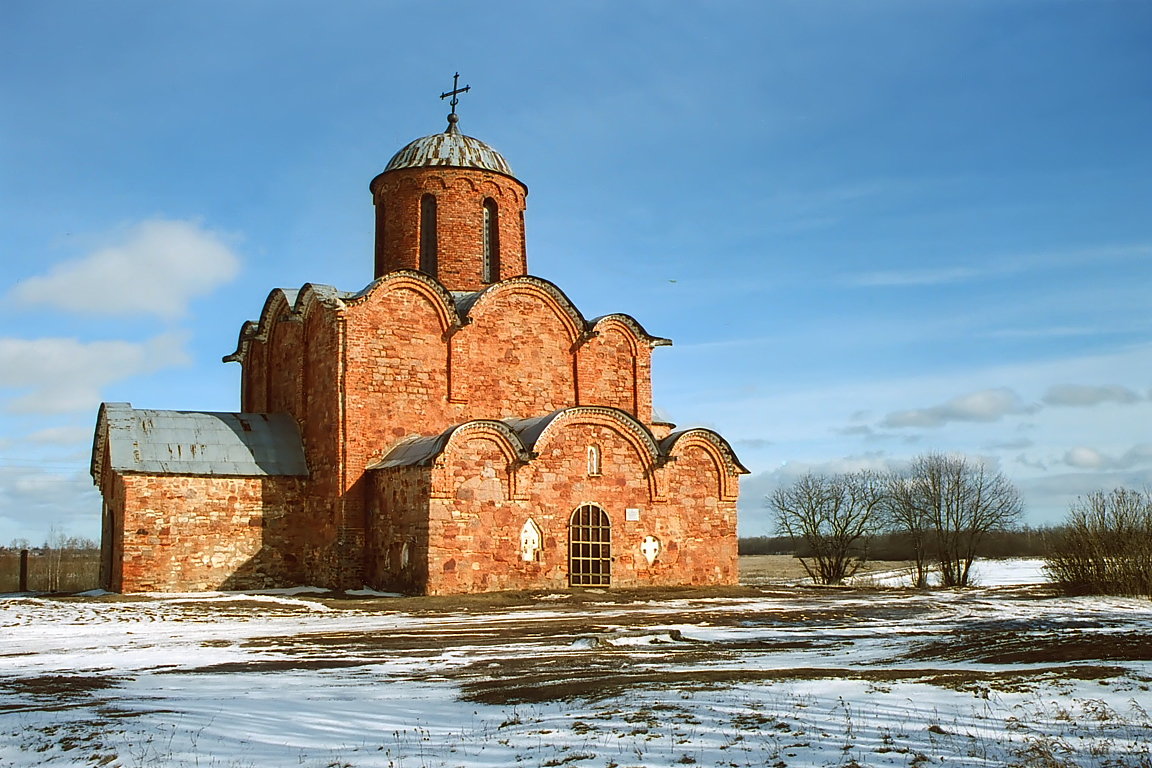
23 571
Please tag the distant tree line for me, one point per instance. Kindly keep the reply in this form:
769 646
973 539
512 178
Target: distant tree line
1022 541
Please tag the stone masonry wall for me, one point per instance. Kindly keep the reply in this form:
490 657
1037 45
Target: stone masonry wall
203 533
479 507
607 366
515 359
397 536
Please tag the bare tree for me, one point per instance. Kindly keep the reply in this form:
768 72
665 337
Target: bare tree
835 516
962 501
910 521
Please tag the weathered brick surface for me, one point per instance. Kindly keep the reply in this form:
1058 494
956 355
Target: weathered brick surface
610 366
202 533
515 357
476 499
460 195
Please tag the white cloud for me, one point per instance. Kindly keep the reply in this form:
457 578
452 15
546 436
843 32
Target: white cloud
155 268
913 277
1076 395
985 405
1083 457
33 499
59 375
61 435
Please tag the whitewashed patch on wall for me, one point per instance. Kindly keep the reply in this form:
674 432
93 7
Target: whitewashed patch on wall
650 548
530 541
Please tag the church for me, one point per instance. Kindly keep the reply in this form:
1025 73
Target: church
457 425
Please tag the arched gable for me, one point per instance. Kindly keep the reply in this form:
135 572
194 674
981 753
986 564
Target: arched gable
280 301
607 367
527 285
458 465
515 351
628 325
313 295
728 467
417 282
284 359
539 433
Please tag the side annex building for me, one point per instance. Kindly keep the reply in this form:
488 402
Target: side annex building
455 426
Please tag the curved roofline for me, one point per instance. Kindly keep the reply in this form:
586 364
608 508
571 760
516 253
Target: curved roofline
522 435
668 444
296 300
423 450
448 149
531 431
447 299
566 305
458 306
634 325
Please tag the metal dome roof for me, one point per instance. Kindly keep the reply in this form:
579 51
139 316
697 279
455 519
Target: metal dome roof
450 148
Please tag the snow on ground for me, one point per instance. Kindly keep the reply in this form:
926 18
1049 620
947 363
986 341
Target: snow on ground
1002 674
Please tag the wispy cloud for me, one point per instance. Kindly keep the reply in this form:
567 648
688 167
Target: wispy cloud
1083 457
1078 395
986 267
983 406
61 435
59 375
152 268
911 277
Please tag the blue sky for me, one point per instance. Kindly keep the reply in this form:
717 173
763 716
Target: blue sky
871 229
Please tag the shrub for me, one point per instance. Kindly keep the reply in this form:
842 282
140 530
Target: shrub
1105 547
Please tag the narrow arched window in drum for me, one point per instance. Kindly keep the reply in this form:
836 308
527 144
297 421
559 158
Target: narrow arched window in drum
428 235
491 241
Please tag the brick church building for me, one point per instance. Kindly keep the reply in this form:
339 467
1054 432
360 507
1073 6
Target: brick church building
457 425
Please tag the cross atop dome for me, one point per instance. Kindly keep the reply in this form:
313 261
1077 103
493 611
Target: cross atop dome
453 118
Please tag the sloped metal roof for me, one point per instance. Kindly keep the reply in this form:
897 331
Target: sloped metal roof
415 451
198 443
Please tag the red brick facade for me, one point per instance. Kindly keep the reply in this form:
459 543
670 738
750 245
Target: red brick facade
451 425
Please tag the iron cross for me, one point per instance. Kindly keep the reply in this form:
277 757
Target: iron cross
455 90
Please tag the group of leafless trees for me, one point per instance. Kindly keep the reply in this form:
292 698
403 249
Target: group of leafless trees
943 505
1105 546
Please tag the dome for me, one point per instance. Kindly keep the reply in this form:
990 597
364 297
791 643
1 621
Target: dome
450 148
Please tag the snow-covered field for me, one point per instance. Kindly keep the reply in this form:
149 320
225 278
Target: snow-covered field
1003 674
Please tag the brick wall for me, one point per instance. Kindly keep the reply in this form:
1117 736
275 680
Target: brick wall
479 499
460 195
203 533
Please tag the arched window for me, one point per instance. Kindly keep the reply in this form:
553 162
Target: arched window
589 547
428 235
593 460
491 241
381 266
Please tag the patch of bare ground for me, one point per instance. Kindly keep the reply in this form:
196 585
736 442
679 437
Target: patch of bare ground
556 681
1033 642
54 692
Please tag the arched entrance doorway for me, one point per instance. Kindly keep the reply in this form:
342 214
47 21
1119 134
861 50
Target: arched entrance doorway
589 547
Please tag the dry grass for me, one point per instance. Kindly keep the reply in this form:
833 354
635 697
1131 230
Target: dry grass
52 571
776 569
